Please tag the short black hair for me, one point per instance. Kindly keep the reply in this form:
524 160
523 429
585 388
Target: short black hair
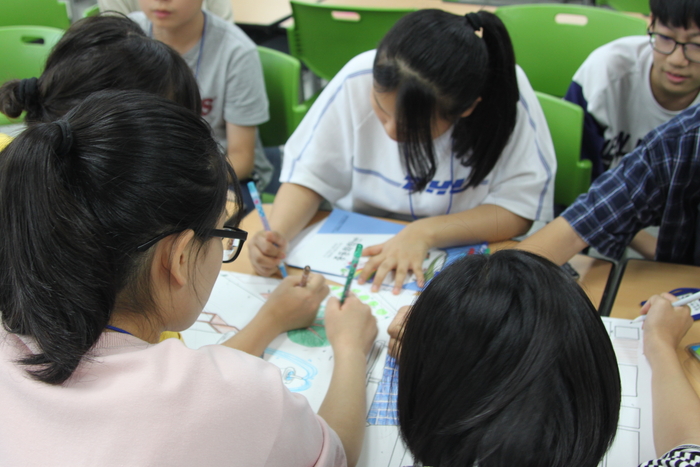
504 361
676 13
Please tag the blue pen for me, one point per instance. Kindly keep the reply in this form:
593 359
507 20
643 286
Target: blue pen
266 225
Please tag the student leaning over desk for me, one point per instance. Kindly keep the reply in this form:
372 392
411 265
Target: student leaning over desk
437 126
113 219
657 184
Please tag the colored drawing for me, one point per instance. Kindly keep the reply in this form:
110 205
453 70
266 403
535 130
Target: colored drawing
383 409
298 374
217 323
313 336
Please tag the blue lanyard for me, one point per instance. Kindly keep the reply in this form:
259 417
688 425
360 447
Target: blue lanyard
114 328
201 44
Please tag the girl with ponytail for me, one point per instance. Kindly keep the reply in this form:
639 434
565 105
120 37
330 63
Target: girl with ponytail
438 126
97 53
113 231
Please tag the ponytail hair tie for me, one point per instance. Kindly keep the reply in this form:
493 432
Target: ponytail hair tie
66 143
474 20
28 92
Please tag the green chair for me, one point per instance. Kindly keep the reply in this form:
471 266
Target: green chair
326 37
23 52
283 85
552 40
50 13
565 121
635 6
92 11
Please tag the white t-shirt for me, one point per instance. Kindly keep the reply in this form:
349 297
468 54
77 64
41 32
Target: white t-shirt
138 404
341 151
231 82
613 86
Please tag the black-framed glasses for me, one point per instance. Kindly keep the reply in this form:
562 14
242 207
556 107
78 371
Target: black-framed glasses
232 238
667 45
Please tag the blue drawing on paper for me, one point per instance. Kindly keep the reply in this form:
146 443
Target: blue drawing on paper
383 409
298 374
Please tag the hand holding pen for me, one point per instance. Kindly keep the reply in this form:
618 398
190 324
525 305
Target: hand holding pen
270 237
677 303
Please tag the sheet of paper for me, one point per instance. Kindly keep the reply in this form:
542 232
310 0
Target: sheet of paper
328 247
305 357
634 441
305 360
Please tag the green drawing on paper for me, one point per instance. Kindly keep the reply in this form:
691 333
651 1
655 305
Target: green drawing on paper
314 335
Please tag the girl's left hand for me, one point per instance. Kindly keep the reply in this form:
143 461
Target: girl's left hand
404 253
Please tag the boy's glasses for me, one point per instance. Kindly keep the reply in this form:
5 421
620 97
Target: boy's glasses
667 45
232 238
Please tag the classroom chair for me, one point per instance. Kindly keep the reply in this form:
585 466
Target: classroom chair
552 40
50 13
565 122
23 52
92 11
282 74
635 6
326 37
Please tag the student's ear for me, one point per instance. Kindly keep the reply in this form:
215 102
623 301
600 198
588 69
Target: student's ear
469 111
173 256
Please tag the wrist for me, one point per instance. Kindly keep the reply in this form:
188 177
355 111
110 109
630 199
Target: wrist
348 351
658 350
266 323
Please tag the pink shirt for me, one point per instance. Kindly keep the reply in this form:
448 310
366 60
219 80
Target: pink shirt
136 403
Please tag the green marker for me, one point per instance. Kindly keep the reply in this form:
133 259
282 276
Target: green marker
351 272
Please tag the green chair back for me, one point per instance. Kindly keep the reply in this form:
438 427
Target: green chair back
326 37
92 11
283 85
552 40
23 52
635 6
50 13
565 121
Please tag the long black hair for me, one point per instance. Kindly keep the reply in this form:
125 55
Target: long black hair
438 66
676 13
504 361
78 196
97 53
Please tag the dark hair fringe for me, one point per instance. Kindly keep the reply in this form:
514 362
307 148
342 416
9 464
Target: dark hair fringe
107 51
445 67
140 165
504 361
676 13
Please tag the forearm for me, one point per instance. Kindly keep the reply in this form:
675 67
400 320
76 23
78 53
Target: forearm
676 407
645 244
488 222
293 208
243 163
557 241
256 336
344 406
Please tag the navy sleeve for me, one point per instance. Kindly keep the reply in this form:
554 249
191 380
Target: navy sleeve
593 134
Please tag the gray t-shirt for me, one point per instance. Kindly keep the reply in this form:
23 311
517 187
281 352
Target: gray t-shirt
230 81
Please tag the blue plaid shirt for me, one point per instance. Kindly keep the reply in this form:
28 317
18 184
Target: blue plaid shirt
656 184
